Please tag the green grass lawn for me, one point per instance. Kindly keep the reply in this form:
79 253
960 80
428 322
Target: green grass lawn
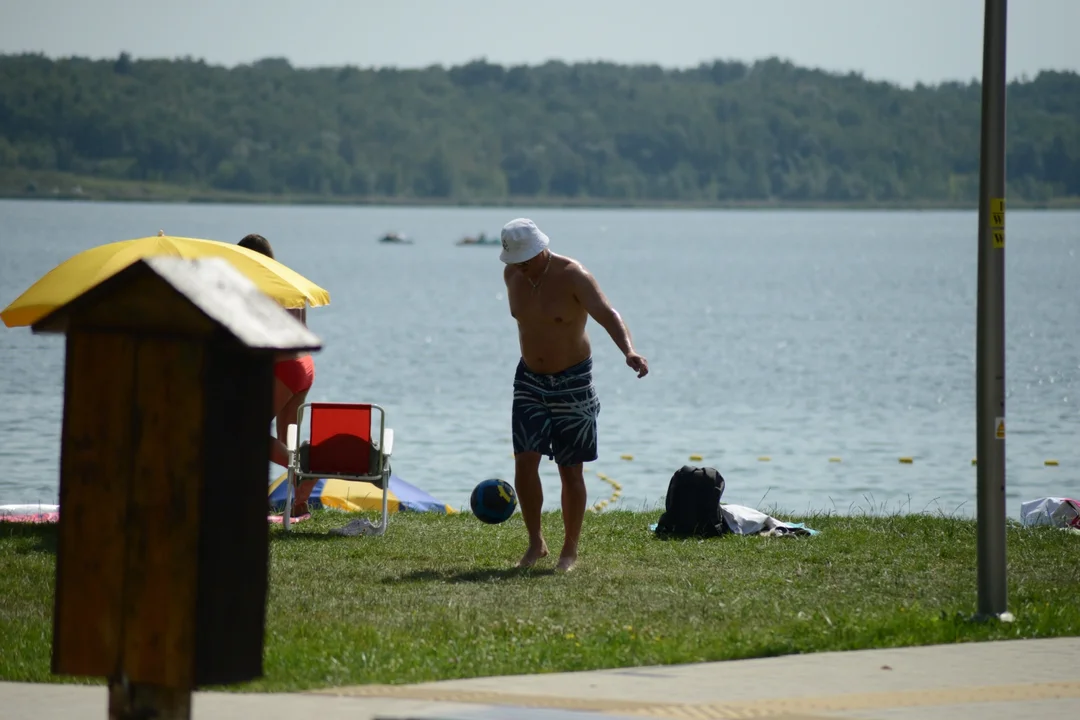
437 597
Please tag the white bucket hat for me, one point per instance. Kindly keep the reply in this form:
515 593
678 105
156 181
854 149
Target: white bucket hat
521 241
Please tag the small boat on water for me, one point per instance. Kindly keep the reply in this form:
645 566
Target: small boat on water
481 239
396 239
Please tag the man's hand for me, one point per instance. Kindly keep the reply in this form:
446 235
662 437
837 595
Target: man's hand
638 363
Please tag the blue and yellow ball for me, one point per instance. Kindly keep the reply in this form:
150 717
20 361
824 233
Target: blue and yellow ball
493 501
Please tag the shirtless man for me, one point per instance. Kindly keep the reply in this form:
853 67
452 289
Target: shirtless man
555 404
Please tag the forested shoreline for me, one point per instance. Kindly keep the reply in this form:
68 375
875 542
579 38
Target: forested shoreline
723 133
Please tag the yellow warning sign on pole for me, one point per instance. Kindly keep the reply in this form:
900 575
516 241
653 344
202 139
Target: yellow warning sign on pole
999 429
997 222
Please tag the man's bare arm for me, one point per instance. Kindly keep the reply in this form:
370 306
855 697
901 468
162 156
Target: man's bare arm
588 293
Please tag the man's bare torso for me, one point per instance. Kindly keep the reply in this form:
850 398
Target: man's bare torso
551 320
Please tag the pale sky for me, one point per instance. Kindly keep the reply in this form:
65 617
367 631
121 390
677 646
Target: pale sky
902 41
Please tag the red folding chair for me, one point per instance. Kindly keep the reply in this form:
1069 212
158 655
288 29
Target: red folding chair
340 446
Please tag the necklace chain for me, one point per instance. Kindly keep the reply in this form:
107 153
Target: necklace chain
539 280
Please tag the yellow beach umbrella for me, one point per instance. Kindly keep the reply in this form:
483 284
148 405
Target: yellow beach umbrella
81 272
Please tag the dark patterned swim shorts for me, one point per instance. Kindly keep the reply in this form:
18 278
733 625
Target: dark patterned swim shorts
555 414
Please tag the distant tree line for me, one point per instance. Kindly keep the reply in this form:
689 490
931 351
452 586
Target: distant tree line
725 131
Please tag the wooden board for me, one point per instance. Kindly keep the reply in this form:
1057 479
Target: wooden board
234 552
163 514
95 463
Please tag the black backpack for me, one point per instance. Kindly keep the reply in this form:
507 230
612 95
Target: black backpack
692 506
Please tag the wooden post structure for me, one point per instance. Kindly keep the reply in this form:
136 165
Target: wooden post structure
163 550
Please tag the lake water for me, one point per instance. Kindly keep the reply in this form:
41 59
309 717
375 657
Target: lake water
797 336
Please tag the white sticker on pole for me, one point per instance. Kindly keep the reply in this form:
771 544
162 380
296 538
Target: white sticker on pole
999 428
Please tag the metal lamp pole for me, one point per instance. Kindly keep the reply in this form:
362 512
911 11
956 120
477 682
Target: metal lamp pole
990 342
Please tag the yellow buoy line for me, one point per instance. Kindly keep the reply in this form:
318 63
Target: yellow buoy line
616 492
616 487
904 459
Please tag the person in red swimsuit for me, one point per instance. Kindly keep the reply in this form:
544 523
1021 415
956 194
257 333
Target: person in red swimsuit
294 375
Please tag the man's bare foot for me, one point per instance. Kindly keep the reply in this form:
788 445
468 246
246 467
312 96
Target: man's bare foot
566 563
533 554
